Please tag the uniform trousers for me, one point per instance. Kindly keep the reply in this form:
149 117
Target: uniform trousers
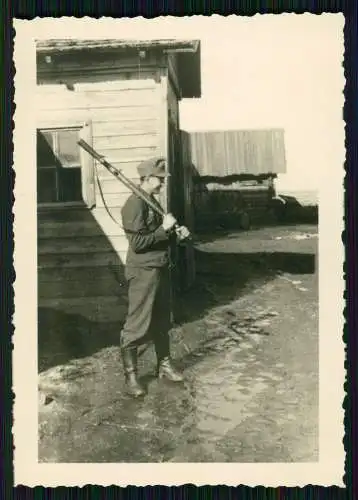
148 317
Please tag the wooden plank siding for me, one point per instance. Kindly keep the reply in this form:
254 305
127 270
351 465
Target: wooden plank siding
104 258
127 98
237 152
80 284
107 68
123 116
230 173
96 309
81 252
83 245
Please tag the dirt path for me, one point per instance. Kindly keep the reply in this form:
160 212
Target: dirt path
248 344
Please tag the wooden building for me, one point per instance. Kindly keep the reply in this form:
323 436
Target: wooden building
230 175
122 98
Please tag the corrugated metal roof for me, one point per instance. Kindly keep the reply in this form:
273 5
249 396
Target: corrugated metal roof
67 44
236 152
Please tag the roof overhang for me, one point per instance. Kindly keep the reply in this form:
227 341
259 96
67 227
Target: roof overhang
67 45
188 55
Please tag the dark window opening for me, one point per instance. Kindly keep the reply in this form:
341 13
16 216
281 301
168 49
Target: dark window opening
59 176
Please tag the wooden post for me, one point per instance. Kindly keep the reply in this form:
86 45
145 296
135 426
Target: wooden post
164 148
164 151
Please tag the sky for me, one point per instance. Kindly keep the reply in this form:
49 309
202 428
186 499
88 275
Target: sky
265 71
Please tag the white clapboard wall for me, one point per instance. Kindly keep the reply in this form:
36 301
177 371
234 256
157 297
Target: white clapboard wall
86 246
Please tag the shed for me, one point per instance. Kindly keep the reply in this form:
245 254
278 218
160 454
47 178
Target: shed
230 175
122 98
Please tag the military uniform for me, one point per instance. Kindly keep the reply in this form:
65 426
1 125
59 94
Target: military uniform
147 275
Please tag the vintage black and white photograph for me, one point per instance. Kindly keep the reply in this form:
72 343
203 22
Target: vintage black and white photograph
184 180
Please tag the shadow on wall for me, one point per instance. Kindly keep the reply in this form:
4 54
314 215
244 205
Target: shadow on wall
81 286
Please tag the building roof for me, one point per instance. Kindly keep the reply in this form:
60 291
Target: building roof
188 55
67 44
228 153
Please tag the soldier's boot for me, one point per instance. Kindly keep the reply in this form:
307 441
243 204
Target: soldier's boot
167 370
133 387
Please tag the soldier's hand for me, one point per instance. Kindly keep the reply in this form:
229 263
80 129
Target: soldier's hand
169 222
182 233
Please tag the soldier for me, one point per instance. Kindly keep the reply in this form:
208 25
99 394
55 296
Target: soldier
147 273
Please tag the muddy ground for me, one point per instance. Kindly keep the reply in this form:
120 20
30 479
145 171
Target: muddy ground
247 340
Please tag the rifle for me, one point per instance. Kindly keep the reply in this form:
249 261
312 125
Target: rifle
122 178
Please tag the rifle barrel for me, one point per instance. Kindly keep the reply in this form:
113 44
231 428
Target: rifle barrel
119 175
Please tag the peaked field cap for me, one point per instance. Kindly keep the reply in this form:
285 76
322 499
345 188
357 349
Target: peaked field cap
154 167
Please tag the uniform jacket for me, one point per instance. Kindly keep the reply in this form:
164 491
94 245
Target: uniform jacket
148 241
